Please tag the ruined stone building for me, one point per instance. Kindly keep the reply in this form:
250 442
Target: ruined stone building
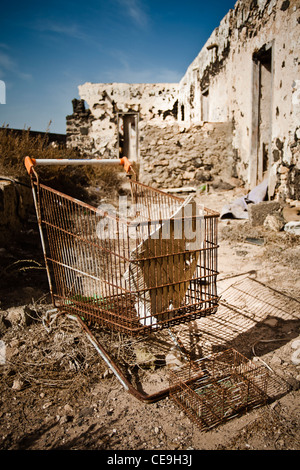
234 115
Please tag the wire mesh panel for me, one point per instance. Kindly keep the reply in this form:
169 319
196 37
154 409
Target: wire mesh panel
220 386
133 272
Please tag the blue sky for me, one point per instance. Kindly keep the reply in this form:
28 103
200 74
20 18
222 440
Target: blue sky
48 48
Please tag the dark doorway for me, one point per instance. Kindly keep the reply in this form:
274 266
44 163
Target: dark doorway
205 105
262 113
128 135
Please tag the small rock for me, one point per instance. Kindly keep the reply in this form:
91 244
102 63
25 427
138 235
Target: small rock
30 316
276 361
2 352
18 384
271 322
68 409
296 357
295 344
145 358
274 222
107 373
294 383
172 360
293 227
14 315
46 405
222 185
259 212
87 411
274 405
65 419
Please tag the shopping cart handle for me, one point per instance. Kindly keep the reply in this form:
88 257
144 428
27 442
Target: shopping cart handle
126 164
31 162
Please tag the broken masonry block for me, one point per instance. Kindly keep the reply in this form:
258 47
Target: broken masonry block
259 212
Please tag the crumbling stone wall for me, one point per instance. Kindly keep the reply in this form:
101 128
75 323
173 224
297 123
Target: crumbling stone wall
226 73
95 130
169 154
79 127
176 156
246 77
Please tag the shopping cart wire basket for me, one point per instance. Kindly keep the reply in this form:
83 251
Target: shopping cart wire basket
151 266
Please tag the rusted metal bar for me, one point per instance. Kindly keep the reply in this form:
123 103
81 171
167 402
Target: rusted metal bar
142 396
230 385
36 201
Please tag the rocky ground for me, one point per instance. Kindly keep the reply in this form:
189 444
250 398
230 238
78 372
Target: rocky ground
57 393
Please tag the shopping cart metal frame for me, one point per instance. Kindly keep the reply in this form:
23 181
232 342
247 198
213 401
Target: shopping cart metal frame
193 295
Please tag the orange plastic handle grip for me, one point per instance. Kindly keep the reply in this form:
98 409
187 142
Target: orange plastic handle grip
126 164
29 164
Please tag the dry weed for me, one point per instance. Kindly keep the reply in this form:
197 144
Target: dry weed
14 147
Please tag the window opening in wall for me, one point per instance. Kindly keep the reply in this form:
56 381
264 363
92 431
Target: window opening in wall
128 135
262 113
205 105
214 51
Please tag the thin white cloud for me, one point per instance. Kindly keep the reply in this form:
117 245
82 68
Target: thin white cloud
135 10
4 46
72 30
6 62
125 73
9 65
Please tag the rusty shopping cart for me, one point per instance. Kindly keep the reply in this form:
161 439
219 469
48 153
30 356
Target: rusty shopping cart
147 264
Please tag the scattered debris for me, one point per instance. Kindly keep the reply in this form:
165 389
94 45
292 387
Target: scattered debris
255 241
173 359
239 208
188 189
293 227
145 359
18 384
259 212
296 354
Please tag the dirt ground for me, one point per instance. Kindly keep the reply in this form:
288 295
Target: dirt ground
57 393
